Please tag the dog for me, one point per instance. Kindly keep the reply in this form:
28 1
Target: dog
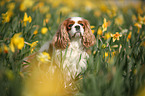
69 45
71 41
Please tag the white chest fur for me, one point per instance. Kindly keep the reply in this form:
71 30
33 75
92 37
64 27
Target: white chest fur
73 59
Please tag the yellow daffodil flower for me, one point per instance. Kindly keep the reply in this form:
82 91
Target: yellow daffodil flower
6 16
140 19
43 57
100 32
116 36
97 13
17 42
105 25
44 30
11 6
2 3
35 32
129 36
107 36
139 26
143 43
106 54
26 18
92 29
32 45
26 4
5 49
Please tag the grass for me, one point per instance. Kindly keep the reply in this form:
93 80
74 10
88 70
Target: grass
115 67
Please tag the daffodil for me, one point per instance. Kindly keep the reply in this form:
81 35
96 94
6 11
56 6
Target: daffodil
129 36
33 45
44 30
100 32
134 18
139 26
97 13
64 10
106 54
107 36
5 49
26 19
105 25
6 16
92 29
11 6
119 20
17 42
44 9
39 5
116 36
143 43
2 3
26 4
35 32
43 57
140 19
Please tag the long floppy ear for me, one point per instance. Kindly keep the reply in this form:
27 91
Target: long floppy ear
88 37
61 38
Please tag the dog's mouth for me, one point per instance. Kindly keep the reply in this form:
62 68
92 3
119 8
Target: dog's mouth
77 34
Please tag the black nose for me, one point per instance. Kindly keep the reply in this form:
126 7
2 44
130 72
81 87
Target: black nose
77 27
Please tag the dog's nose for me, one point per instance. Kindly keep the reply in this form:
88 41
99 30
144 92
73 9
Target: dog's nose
77 27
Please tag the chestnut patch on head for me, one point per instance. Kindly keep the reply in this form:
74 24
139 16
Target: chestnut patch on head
70 24
81 23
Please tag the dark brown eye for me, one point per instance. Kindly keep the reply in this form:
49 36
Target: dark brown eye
70 25
81 24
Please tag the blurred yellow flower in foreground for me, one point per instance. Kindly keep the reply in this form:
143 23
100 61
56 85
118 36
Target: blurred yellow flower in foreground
44 30
6 16
26 18
16 42
44 81
43 57
116 36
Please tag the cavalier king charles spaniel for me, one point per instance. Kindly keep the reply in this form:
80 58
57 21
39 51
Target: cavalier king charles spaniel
69 45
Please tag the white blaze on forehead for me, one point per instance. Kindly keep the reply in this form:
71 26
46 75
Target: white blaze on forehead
76 19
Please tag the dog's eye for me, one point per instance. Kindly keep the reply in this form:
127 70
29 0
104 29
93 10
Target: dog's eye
70 25
81 24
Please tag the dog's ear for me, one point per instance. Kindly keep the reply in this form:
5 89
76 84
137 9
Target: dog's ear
88 37
61 38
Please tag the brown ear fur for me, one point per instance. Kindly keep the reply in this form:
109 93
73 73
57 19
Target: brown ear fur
61 38
88 37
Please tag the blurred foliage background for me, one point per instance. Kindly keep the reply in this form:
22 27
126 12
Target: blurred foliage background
116 66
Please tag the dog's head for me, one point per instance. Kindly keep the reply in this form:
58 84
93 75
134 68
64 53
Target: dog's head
74 27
